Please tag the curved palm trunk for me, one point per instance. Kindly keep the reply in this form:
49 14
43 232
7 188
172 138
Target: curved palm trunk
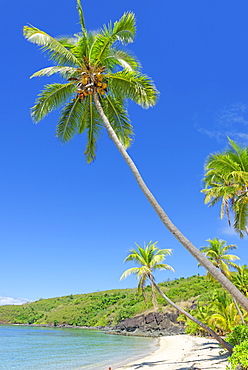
239 311
243 301
192 318
236 305
154 299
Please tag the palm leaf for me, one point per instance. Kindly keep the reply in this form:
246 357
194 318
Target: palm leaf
51 98
133 270
123 30
53 47
91 122
240 218
118 118
66 72
118 57
81 15
69 120
163 266
135 86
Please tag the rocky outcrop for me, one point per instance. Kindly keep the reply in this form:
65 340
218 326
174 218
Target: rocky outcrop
153 324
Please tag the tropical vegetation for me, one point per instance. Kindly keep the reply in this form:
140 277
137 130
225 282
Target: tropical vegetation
100 76
219 313
149 259
226 179
217 253
239 339
107 307
240 278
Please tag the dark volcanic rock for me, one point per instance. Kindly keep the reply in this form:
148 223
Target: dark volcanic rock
152 324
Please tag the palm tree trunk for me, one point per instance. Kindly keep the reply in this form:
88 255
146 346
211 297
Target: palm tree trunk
236 304
243 301
239 311
154 299
222 342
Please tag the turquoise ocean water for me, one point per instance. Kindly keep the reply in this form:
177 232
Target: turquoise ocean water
33 348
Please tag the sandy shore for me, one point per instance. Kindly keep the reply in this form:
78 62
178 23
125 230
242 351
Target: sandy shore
182 352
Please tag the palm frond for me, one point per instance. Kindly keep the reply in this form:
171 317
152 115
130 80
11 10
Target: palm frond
81 49
51 98
134 85
124 30
92 123
240 218
65 72
68 42
81 15
163 266
118 118
69 120
222 162
133 270
118 57
56 51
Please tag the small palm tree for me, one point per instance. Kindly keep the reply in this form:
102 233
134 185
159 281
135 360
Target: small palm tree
216 252
149 258
100 77
240 279
223 313
226 180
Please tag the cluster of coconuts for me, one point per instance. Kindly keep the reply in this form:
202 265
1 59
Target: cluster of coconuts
89 84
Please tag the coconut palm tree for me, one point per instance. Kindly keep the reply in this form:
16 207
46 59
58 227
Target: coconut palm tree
99 78
226 180
96 73
149 259
216 252
223 313
240 279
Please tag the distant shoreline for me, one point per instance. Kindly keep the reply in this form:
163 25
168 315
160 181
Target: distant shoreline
106 329
65 326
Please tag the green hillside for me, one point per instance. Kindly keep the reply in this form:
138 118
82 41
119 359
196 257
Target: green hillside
103 308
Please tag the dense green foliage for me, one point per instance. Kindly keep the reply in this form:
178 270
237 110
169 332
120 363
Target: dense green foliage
102 308
239 357
239 338
225 180
238 335
219 313
98 77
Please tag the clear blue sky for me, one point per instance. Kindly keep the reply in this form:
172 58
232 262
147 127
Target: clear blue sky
66 226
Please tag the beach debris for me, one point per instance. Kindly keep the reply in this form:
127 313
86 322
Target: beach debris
192 367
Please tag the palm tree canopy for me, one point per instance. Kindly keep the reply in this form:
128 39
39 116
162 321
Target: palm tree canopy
217 253
240 279
92 62
148 259
226 180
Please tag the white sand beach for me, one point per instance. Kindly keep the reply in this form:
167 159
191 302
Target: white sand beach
182 352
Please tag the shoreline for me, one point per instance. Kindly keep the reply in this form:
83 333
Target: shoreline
181 352
171 352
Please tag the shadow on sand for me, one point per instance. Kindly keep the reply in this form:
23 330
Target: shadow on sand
200 362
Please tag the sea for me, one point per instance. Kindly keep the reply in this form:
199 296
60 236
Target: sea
33 348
